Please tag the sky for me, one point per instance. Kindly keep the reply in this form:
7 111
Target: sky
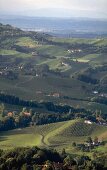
55 8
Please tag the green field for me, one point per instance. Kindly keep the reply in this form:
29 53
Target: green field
8 52
19 137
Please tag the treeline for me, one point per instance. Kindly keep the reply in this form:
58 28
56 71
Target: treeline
87 79
102 100
29 116
51 113
36 159
22 49
12 120
9 99
97 69
16 101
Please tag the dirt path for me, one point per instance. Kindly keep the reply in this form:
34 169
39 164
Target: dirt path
43 141
42 137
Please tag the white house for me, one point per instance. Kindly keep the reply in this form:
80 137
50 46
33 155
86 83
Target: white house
88 122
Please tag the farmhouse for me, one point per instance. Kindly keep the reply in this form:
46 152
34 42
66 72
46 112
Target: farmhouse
56 95
34 54
103 94
93 144
95 92
37 75
88 122
64 64
1 72
74 50
102 122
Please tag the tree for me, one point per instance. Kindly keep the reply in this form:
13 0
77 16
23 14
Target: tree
63 153
69 161
24 109
49 165
24 167
2 109
96 140
94 155
89 140
10 162
35 118
36 167
8 123
24 120
31 112
74 144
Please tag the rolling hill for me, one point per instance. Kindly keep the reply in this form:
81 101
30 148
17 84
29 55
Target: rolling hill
65 71
58 135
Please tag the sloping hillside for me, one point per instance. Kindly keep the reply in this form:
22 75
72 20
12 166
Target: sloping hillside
59 135
75 130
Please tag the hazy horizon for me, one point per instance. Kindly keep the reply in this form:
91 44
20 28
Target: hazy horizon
54 8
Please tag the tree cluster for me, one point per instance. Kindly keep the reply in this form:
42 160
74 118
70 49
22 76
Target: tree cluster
36 159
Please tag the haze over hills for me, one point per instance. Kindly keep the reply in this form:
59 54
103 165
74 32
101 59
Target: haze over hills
58 13
54 8
73 27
